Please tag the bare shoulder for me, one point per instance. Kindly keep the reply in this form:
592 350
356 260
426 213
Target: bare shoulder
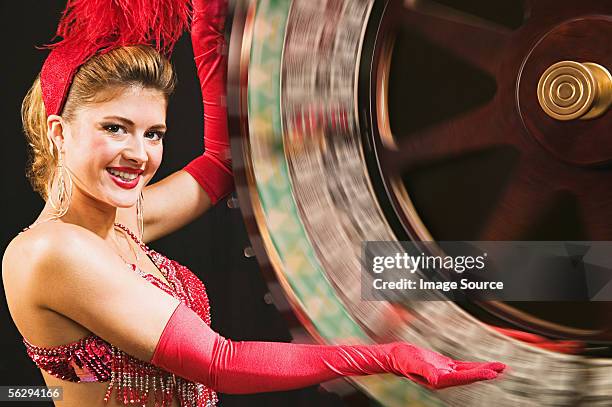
40 253
25 286
47 242
69 271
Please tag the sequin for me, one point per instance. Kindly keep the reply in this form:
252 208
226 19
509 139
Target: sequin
92 359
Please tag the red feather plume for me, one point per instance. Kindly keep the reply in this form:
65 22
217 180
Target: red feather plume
88 27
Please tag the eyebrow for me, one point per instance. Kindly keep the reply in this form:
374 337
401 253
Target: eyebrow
131 123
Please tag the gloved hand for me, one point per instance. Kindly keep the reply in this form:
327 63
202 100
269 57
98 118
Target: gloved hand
213 169
190 349
434 370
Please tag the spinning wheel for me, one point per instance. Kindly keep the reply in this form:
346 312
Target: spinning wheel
363 120
518 138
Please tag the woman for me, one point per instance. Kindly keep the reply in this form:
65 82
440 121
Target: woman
100 312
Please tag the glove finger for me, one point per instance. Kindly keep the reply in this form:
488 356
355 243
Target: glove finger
496 366
465 377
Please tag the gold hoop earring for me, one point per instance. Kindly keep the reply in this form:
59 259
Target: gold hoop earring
64 188
140 216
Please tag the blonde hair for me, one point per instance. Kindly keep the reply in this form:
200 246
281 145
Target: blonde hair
99 79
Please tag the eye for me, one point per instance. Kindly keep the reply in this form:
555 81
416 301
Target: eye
155 135
114 128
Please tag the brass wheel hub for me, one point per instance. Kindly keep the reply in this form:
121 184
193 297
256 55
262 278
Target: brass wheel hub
570 90
564 91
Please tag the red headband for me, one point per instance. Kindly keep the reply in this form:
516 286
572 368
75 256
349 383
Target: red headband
88 27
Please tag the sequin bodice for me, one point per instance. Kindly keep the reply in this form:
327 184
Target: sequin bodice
92 359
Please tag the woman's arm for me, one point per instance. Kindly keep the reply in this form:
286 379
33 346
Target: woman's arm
183 196
82 279
73 272
189 347
168 205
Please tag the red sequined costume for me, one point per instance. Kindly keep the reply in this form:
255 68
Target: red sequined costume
92 359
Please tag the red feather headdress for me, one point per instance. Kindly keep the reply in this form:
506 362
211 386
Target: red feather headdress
88 27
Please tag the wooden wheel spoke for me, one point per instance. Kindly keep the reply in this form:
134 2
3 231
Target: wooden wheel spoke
596 210
518 208
476 41
474 131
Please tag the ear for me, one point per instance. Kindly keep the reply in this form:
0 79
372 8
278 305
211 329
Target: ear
55 132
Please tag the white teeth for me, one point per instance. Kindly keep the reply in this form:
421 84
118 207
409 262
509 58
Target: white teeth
123 175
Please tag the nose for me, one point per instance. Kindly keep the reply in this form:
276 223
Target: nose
136 151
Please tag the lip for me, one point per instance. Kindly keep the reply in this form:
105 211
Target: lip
125 184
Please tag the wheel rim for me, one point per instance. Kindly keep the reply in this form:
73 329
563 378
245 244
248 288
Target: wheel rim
286 227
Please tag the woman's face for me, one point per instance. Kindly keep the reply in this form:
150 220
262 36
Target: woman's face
113 148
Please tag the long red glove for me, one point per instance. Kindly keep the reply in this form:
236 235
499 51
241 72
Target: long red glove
191 349
213 169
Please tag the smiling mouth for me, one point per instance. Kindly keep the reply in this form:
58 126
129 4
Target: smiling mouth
124 176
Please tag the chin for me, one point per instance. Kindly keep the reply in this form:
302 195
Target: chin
124 204
122 200
122 197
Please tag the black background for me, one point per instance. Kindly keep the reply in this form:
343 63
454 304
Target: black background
212 247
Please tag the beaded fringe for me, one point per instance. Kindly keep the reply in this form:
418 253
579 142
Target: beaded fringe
134 380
